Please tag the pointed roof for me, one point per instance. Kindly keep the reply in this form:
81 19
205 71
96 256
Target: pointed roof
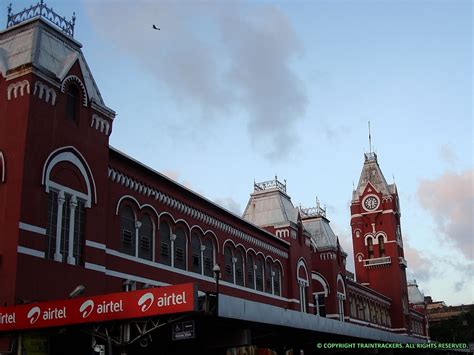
39 44
372 173
317 225
321 232
415 296
269 205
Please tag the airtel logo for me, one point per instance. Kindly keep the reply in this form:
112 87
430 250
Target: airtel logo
146 301
34 314
86 308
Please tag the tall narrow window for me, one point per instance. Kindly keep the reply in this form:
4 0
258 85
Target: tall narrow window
381 246
127 227
208 256
352 307
145 246
277 280
239 268
165 244
52 223
229 267
341 299
250 271
370 247
72 100
65 226
79 238
259 274
268 277
320 304
66 218
180 249
303 287
195 253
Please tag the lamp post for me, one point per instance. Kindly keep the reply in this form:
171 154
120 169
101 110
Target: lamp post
217 271
79 290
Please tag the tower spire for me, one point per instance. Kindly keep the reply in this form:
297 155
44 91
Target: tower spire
370 140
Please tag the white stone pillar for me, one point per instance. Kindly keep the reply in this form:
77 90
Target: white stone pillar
138 225
234 261
57 252
172 239
72 214
203 247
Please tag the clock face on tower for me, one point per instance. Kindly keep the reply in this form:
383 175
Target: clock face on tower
371 203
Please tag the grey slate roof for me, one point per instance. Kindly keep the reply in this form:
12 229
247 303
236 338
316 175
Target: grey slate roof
371 172
37 43
270 207
414 294
321 232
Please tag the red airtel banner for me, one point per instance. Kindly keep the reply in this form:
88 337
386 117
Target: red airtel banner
122 305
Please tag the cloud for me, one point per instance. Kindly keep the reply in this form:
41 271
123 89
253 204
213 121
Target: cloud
229 204
420 266
219 58
450 201
459 286
447 155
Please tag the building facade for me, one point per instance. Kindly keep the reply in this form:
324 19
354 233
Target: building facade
74 210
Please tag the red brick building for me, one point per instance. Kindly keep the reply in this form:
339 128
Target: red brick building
74 210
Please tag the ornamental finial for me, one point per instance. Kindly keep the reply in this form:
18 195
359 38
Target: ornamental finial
42 10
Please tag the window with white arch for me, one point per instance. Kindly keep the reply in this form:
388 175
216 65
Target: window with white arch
303 283
341 296
320 293
71 189
136 235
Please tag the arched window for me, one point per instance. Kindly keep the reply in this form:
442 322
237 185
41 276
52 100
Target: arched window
250 271
180 249
127 228
383 319
268 277
72 102
70 186
229 265
208 255
259 274
239 267
370 247
146 232
360 308
352 307
165 244
381 246
341 297
303 283
276 279
366 310
196 261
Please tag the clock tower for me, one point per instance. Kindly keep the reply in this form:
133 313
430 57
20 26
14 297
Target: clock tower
376 235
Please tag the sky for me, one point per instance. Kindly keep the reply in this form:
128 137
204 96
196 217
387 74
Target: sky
228 92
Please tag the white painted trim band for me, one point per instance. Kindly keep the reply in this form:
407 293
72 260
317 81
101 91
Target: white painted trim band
92 244
31 252
95 267
31 228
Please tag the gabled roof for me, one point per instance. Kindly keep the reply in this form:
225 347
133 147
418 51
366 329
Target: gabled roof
38 44
371 173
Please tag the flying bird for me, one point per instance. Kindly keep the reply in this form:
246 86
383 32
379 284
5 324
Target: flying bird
156 28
